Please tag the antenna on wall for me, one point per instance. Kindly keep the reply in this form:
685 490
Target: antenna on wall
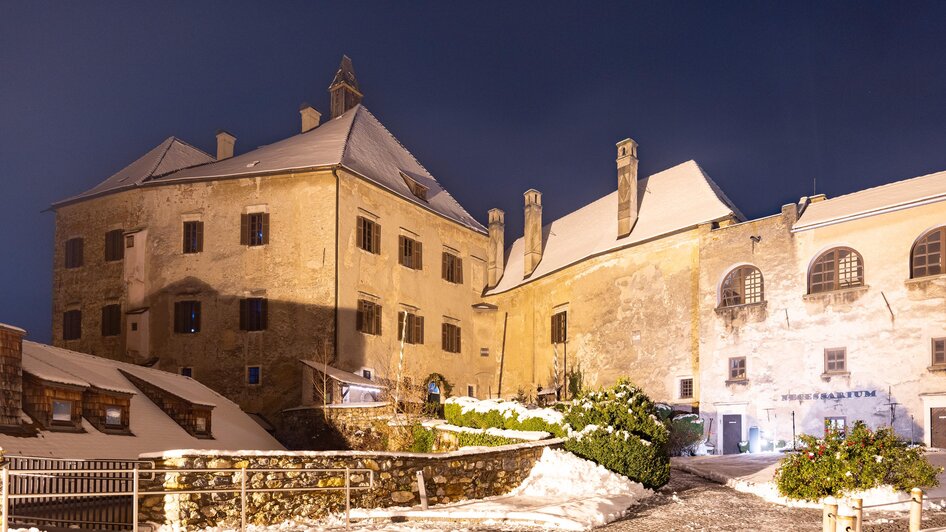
814 186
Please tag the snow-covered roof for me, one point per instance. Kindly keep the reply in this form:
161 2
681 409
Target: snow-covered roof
355 140
172 154
892 196
152 429
671 200
341 375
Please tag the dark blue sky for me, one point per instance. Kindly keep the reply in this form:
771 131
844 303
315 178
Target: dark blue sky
494 98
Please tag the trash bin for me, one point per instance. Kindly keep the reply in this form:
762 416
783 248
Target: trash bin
754 443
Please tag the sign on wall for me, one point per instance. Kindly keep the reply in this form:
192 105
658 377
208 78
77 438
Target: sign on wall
858 394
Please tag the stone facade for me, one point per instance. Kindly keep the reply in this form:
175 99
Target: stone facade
448 477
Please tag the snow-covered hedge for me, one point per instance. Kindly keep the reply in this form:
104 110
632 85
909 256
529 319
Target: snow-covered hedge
620 429
500 414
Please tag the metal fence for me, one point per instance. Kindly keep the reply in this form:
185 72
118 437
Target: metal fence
69 489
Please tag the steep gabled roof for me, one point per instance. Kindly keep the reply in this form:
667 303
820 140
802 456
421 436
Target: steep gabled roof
674 199
892 196
172 154
355 140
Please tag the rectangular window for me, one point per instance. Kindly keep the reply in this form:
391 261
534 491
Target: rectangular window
72 325
187 317
130 241
368 317
686 388
62 411
111 320
114 245
113 416
193 237
253 375
73 253
452 268
737 369
254 229
939 351
368 235
559 327
834 424
414 328
187 371
367 373
253 314
484 351
410 253
835 360
470 390
450 335
200 424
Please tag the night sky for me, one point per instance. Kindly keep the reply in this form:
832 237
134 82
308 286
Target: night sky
493 98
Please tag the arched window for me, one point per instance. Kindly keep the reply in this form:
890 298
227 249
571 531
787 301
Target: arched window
741 286
928 254
836 269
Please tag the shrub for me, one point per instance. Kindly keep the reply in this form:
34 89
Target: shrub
498 414
481 439
686 433
839 464
423 439
619 428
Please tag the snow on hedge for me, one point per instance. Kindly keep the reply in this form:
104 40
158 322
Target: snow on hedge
526 435
508 409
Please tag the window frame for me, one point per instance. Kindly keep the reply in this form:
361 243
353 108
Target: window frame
414 328
111 320
121 417
941 256
730 296
52 411
249 372
410 252
368 316
114 245
186 371
254 319
254 228
831 258
451 267
73 253
827 360
192 235
933 351
745 372
450 337
831 422
368 235
72 324
559 327
681 387
180 319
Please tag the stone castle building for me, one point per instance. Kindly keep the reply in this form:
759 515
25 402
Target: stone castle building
334 245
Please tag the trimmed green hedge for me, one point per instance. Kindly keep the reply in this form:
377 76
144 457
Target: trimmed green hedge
862 459
619 428
495 419
481 439
423 439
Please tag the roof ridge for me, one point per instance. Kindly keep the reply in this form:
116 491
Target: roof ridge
717 190
170 142
351 127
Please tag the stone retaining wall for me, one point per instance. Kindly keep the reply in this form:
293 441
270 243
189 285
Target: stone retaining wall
449 477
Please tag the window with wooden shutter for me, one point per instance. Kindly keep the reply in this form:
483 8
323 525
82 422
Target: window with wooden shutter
450 337
368 317
72 325
187 317
114 245
559 327
939 351
253 314
73 258
410 253
414 329
368 235
452 268
111 320
193 237
255 229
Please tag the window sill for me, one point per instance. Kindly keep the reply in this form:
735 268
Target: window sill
922 280
937 368
741 382
828 374
760 304
857 290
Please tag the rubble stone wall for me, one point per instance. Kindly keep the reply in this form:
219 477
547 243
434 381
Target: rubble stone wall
448 477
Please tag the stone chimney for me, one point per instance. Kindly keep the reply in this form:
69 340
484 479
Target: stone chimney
533 231
310 117
496 253
11 374
225 142
627 186
344 88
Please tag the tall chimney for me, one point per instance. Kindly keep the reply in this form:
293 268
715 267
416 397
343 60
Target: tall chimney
496 253
225 142
344 88
310 117
627 186
533 231
11 374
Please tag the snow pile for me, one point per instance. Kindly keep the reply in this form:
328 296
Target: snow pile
526 435
562 491
508 409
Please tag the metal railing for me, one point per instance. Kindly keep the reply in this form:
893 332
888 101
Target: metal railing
8 477
831 521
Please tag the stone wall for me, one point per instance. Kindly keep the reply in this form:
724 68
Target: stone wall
448 477
336 427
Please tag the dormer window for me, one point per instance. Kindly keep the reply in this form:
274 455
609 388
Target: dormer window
113 417
418 190
62 412
200 424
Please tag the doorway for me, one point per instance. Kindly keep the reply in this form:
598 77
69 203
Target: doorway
732 433
938 427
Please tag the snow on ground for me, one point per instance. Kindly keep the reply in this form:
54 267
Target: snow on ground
562 491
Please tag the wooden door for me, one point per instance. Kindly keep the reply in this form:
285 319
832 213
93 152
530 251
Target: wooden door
938 427
732 433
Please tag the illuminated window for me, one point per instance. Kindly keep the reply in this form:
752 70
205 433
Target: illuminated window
929 254
742 286
254 229
113 416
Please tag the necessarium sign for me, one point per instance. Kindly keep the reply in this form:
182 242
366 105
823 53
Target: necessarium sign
859 394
